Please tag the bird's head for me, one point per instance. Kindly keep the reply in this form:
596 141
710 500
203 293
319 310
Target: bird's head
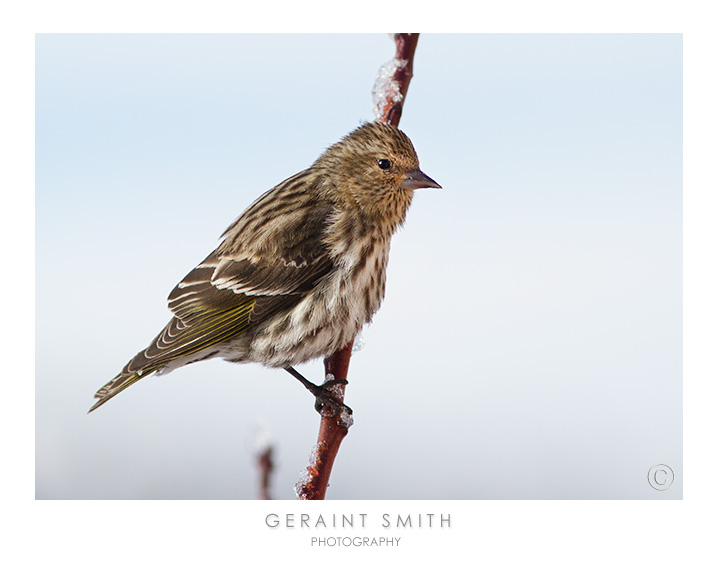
374 169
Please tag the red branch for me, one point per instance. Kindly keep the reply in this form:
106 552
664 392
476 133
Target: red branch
405 47
333 429
265 463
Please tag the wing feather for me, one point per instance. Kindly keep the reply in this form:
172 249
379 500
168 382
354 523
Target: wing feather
262 268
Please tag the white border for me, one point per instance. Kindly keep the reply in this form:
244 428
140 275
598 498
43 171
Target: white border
589 530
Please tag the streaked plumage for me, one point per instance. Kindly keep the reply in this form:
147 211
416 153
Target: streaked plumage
300 272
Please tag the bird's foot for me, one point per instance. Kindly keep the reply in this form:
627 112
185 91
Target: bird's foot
328 400
327 397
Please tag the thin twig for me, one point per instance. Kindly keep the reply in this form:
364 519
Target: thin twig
332 430
265 462
313 486
405 48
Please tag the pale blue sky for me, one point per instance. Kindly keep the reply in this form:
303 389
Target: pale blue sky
531 334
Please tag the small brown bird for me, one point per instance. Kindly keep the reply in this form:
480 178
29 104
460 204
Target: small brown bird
299 273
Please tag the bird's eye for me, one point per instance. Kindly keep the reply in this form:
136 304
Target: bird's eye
384 164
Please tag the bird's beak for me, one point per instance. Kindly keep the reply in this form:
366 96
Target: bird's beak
416 179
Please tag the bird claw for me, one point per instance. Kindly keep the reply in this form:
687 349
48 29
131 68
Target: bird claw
326 398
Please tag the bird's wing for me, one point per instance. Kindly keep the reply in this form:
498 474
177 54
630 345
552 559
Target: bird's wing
224 296
216 302
230 291
261 268
250 278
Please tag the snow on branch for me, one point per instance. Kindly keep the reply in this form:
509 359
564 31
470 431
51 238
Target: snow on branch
392 81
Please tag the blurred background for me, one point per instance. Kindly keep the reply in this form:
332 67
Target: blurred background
530 342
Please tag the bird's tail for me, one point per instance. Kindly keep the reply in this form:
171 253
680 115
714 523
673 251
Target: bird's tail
138 368
118 384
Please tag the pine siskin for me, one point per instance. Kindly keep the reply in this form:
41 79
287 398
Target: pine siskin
299 273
